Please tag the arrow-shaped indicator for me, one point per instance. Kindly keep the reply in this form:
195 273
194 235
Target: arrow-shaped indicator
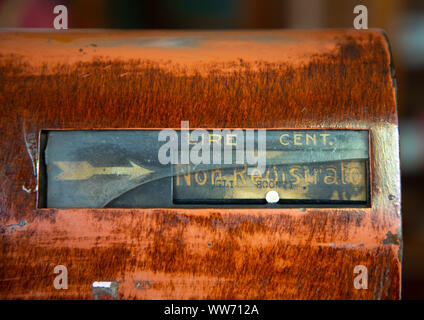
82 170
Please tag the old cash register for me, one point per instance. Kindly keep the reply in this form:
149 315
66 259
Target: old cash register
199 165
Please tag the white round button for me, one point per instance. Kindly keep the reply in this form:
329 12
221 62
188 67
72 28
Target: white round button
272 197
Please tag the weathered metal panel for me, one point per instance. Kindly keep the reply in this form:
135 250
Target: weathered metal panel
282 80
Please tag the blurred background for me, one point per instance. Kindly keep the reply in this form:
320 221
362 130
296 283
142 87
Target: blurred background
403 21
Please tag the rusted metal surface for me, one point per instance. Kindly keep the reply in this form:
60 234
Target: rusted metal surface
276 79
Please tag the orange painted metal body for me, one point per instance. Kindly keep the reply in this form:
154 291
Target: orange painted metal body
155 79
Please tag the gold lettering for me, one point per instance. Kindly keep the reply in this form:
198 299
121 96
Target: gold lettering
275 175
196 142
255 174
293 173
281 139
306 176
212 137
297 136
216 171
324 136
343 173
313 138
357 174
241 174
315 175
331 179
187 177
196 177
229 143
